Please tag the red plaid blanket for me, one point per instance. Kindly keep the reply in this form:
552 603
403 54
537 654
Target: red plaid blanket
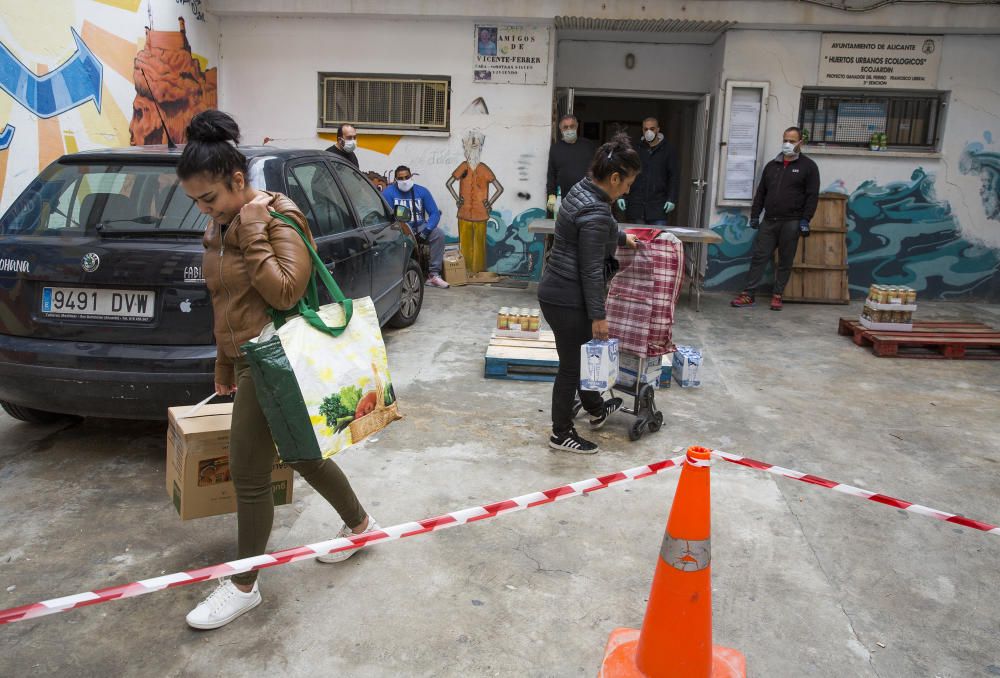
643 295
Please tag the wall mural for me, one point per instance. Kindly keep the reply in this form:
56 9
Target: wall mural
986 164
474 200
510 249
71 78
898 234
168 75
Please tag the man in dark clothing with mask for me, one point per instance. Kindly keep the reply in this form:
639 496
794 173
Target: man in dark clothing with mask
569 159
347 142
654 193
787 193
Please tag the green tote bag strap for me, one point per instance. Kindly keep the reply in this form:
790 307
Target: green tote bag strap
309 304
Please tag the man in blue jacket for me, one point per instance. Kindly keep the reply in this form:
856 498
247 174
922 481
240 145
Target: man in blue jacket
424 223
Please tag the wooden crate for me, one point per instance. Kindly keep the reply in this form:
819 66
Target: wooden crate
819 274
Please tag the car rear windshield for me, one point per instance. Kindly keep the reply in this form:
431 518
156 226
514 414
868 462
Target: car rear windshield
105 200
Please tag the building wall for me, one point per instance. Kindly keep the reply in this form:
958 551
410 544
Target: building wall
270 68
931 221
90 51
662 68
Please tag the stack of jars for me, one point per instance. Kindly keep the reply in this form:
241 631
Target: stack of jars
514 319
881 300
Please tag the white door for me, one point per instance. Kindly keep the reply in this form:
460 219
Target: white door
699 165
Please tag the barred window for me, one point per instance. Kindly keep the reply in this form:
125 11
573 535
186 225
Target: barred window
395 102
838 118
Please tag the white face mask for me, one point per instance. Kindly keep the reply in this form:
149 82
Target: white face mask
787 148
649 135
569 135
405 185
350 145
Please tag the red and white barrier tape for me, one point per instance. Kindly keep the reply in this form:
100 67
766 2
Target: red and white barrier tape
858 492
454 519
401 531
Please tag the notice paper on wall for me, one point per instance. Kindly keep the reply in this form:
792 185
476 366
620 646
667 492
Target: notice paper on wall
741 146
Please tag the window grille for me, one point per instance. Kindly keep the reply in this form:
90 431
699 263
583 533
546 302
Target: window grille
394 102
839 118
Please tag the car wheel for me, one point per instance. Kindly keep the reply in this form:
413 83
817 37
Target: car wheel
411 297
30 414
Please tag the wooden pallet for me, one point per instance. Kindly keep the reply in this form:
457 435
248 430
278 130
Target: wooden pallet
934 339
522 359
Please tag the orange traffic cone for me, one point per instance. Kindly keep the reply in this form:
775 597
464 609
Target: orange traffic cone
676 636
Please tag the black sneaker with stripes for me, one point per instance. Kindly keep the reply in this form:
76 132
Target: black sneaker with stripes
611 405
571 442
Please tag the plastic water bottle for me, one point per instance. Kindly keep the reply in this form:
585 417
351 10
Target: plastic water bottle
558 206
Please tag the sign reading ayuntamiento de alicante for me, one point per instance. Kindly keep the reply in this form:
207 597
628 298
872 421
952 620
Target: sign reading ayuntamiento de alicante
867 61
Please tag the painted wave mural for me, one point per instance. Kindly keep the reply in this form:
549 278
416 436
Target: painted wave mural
898 234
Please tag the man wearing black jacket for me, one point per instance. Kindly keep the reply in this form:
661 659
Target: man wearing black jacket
654 194
347 142
569 160
787 193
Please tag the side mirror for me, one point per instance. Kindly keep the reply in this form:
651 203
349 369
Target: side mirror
403 213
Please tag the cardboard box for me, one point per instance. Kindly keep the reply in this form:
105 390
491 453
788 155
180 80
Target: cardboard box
598 365
687 366
666 370
628 370
198 480
454 268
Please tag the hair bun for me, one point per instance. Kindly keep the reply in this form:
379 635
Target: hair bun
213 126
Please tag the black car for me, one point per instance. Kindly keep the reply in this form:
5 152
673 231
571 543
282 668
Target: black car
103 306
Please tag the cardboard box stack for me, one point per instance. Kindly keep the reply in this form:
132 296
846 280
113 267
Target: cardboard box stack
889 308
198 480
628 370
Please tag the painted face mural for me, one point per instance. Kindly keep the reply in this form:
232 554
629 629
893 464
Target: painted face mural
976 159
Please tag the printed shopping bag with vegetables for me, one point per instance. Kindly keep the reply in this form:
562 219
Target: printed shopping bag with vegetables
321 372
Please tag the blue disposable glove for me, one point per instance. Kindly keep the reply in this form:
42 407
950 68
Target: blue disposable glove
668 207
621 204
754 222
804 227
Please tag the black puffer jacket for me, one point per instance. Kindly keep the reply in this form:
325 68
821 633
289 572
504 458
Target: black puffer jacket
582 259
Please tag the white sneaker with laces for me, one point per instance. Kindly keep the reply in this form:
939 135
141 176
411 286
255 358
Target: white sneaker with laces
437 281
224 605
345 531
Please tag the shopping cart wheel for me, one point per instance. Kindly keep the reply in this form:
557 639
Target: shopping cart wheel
656 423
637 429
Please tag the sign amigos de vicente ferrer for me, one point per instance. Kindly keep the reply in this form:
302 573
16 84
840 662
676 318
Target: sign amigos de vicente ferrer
861 61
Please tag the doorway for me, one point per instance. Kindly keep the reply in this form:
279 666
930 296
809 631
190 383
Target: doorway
602 116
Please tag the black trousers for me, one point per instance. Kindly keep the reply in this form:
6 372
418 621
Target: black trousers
572 329
783 235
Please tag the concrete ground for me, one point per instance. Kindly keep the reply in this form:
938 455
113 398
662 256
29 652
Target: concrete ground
807 582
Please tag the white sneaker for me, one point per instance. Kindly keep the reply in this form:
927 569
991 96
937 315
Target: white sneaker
224 605
437 281
345 531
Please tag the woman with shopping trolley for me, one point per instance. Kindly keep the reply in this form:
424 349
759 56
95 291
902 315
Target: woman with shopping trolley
572 290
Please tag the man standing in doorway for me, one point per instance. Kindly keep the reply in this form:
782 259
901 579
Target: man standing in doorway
347 142
424 222
473 200
569 159
787 193
654 193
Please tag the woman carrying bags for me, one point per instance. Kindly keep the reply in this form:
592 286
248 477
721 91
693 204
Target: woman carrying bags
572 290
253 262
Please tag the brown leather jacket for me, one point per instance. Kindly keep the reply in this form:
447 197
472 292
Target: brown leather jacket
253 267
